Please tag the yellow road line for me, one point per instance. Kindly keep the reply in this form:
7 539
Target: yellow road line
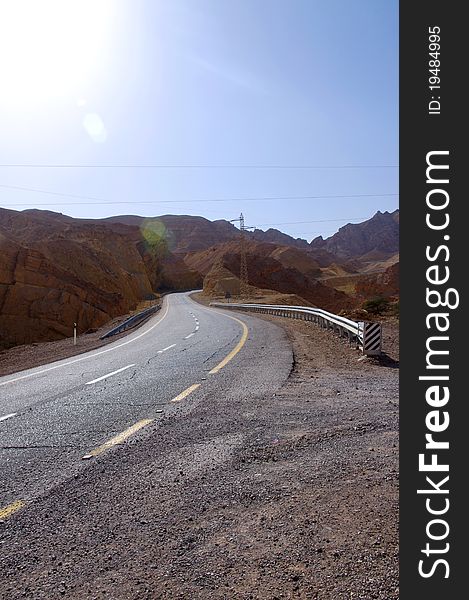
7 511
235 350
185 393
119 438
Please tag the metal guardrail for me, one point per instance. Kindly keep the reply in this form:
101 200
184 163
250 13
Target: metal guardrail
132 321
365 335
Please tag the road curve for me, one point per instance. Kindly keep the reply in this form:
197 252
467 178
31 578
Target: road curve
56 418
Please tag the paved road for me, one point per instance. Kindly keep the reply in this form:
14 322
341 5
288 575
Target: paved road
56 418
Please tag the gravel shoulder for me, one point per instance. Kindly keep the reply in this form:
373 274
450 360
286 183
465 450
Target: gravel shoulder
242 494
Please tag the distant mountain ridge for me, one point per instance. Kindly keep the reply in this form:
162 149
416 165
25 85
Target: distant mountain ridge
377 237
188 233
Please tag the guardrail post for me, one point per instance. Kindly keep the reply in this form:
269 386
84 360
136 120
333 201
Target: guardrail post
372 335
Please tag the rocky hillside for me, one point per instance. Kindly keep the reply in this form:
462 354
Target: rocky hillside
384 284
55 270
280 268
186 233
274 236
372 240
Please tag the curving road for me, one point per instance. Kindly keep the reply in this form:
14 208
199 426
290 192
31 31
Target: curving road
58 417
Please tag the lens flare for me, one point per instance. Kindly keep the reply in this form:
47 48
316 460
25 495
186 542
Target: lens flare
94 127
154 232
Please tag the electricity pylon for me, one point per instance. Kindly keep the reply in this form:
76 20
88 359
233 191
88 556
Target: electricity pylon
243 268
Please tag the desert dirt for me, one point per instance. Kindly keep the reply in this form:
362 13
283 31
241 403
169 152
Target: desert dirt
332 530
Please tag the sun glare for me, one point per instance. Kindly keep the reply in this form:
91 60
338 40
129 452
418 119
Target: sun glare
51 49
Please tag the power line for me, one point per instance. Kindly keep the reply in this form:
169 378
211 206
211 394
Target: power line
48 192
94 200
202 166
316 221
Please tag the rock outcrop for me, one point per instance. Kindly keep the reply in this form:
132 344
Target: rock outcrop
375 239
270 267
385 285
55 270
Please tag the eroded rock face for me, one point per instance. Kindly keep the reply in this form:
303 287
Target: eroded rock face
384 284
55 270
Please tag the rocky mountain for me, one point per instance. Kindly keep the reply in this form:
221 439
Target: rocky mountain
375 239
274 236
186 233
56 270
183 233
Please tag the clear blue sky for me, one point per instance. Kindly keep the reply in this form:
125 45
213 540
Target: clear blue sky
202 82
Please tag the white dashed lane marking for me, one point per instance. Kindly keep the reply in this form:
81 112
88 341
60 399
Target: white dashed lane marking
88 355
167 348
197 326
110 374
5 417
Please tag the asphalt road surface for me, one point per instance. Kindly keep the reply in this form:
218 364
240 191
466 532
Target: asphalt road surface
58 417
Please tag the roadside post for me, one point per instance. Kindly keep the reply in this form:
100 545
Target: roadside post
74 334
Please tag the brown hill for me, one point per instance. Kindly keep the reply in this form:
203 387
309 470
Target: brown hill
184 233
274 236
375 239
384 284
270 267
56 270
188 233
287 256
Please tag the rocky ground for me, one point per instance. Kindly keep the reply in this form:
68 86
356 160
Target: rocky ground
293 496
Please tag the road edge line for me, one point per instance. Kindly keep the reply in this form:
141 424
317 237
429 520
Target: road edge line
10 509
238 346
186 392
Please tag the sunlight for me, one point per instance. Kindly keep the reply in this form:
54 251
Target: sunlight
51 49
